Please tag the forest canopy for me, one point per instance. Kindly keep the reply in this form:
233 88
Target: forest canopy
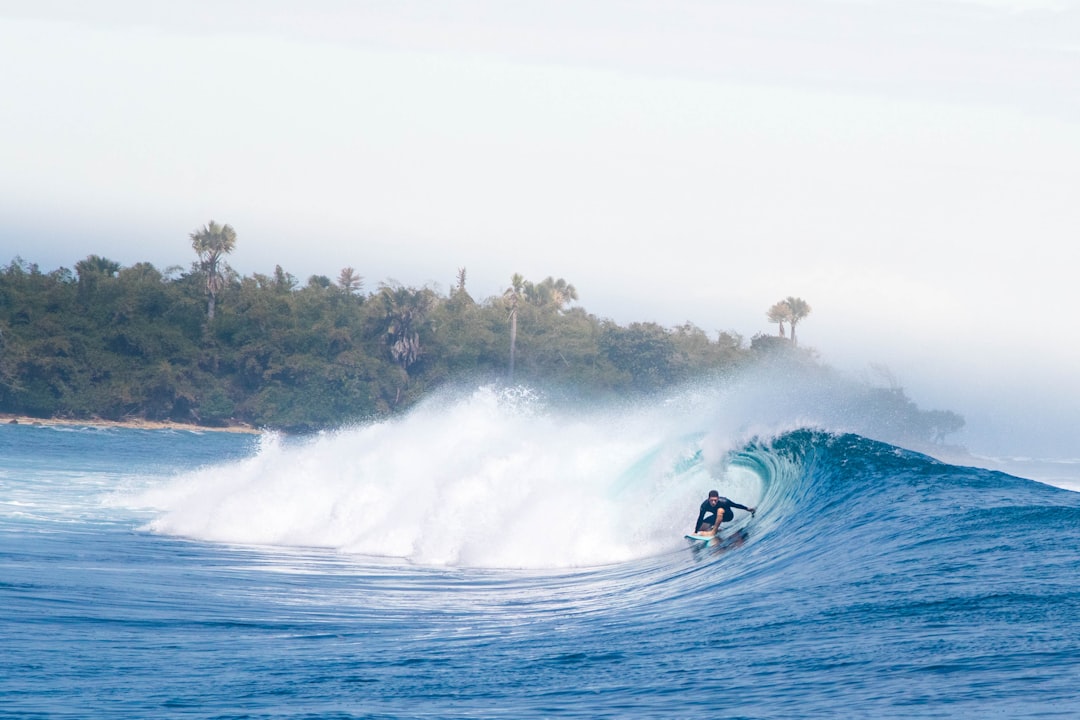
210 347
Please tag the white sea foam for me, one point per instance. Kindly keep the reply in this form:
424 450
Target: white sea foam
493 478
490 479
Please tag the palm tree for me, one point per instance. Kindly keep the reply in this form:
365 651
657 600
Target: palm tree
210 243
90 270
779 313
799 309
96 265
552 293
406 310
513 296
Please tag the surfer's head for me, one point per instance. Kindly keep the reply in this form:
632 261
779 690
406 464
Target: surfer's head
713 495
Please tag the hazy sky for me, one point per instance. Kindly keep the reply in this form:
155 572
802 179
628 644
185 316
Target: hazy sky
911 168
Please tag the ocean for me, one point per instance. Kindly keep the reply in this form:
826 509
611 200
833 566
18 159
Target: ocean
490 556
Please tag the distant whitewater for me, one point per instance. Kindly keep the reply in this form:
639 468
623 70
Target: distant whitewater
489 555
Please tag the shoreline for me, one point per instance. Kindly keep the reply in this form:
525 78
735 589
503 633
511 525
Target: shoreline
9 419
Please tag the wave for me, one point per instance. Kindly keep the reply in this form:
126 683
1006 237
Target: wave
532 542
497 479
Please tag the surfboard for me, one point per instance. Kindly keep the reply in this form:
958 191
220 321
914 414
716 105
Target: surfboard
702 538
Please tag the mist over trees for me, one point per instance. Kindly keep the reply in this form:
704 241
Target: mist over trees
209 347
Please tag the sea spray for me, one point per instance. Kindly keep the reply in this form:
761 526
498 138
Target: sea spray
490 478
499 477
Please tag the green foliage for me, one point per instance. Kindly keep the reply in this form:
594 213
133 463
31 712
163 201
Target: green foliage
111 342
790 310
210 243
643 352
770 345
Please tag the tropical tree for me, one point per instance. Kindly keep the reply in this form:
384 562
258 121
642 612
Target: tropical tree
210 244
548 295
406 310
90 271
799 309
95 265
551 293
644 352
284 282
790 310
513 296
779 313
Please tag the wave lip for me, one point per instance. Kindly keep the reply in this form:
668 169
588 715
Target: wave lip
491 479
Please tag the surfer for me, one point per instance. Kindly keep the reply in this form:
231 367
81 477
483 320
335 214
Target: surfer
716 510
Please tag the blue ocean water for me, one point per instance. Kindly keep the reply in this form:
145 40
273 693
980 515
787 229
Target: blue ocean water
486 557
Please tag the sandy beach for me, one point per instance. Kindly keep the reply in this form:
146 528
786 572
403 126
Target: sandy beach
6 418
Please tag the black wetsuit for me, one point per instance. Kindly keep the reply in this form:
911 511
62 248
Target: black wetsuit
725 505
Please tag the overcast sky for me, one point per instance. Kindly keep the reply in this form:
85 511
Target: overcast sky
911 168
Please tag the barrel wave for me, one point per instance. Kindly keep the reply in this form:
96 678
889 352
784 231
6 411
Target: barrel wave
489 557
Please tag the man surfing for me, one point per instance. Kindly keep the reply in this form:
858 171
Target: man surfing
716 510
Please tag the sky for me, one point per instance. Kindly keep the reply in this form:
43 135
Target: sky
909 167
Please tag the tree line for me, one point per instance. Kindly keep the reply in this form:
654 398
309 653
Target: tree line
207 346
